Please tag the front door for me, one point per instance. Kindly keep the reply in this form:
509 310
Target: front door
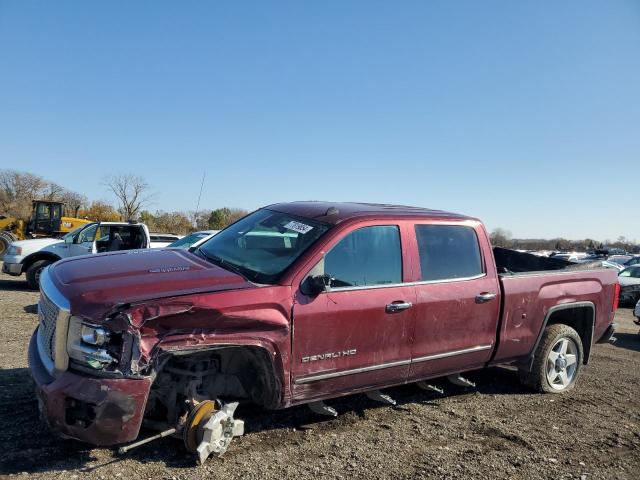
356 335
458 303
84 243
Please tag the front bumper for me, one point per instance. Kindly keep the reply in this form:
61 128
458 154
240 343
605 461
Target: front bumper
101 411
12 268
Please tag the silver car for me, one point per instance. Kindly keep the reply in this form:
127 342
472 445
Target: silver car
194 239
629 280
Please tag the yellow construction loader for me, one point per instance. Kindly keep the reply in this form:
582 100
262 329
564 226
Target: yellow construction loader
47 220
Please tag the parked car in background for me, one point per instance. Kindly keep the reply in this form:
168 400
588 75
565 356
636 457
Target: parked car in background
193 239
161 240
297 303
619 259
608 264
575 257
636 312
629 279
635 260
32 256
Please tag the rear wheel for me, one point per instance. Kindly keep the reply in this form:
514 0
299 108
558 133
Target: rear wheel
34 271
557 361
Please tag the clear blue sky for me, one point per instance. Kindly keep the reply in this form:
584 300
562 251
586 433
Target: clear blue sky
526 114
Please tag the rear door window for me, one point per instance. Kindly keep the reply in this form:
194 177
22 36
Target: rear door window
367 256
448 252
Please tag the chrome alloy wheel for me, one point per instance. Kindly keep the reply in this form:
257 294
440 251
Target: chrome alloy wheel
562 363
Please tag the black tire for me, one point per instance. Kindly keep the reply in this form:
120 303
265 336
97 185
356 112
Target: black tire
4 245
33 273
544 368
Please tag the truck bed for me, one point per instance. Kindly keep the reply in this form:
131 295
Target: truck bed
512 261
527 298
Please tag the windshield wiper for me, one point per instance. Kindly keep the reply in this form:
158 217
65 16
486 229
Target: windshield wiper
223 263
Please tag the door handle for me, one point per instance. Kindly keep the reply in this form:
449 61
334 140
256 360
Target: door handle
485 297
397 307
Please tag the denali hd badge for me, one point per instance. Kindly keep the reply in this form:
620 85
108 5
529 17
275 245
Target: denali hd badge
326 356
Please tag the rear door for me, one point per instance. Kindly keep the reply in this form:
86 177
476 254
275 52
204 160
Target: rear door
357 334
458 302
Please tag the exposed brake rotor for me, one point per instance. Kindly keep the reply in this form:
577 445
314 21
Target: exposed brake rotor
210 427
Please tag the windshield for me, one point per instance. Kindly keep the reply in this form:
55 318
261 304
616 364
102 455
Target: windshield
186 242
263 244
73 232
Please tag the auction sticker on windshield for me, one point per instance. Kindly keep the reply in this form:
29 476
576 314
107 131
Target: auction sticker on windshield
298 227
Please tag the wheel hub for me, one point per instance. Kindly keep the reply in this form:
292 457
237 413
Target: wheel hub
561 363
210 429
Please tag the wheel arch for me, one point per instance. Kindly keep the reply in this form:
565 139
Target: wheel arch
581 316
34 257
255 363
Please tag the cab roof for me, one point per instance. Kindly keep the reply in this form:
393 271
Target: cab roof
337 212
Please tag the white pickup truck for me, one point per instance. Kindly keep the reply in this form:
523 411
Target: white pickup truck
32 256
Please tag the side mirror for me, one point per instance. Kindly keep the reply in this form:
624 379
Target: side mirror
68 239
316 284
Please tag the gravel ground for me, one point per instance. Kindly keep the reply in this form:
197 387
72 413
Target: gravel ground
497 430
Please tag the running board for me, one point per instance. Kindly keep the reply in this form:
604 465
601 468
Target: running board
378 396
460 381
427 387
322 408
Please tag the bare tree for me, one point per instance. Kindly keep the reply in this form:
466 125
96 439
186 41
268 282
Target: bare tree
18 190
132 192
501 238
73 202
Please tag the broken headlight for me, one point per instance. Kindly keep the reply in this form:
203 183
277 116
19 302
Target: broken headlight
89 345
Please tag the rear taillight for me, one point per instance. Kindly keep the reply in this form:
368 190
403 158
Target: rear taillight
616 297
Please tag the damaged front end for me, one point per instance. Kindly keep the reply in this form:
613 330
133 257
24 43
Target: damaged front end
176 365
78 370
101 411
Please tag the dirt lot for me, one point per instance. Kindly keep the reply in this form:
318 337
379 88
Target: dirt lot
498 430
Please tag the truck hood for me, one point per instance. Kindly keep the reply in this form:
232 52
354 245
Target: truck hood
94 284
35 244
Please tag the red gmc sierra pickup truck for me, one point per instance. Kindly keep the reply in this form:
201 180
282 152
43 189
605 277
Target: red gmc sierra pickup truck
297 303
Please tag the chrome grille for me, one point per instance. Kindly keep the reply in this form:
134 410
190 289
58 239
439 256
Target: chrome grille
53 316
48 316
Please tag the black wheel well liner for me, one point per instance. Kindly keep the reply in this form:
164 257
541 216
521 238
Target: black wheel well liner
255 369
581 316
34 257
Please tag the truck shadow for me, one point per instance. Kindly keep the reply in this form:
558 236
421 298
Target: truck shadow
629 341
31 309
19 285
290 424
29 446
